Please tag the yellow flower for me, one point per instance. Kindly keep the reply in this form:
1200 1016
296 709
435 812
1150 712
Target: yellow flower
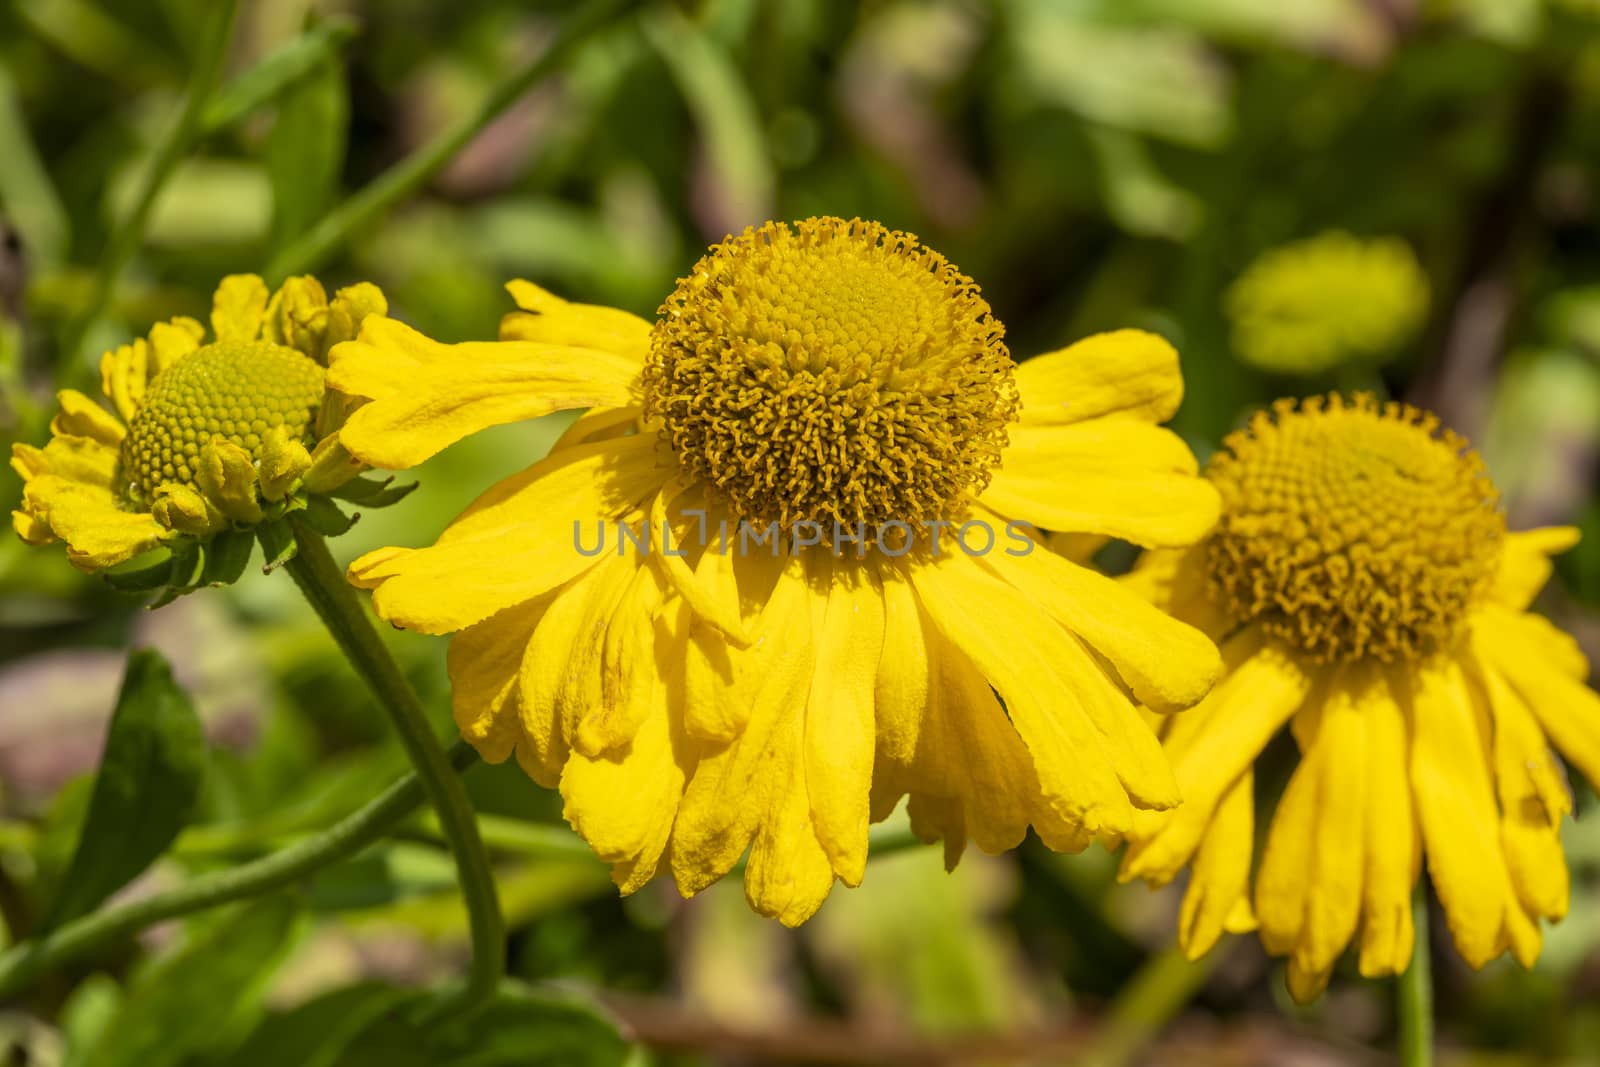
204 439
1313 305
1366 592
769 695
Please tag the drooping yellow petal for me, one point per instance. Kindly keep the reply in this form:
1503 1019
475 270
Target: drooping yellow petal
629 686
485 662
1176 580
1167 664
1541 673
721 678
848 621
1392 843
718 611
1220 880
77 459
548 319
1456 811
124 371
1126 371
81 417
426 395
1290 857
98 533
903 688
1525 563
1211 745
1019 649
531 518
239 308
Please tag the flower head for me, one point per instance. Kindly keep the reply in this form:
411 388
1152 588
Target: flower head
1366 592
1315 304
206 439
820 595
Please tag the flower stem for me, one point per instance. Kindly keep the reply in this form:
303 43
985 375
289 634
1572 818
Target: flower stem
84 937
324 585
406 177
1416 992
1160 990
128 235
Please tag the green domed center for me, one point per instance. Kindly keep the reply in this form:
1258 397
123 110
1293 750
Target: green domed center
236 390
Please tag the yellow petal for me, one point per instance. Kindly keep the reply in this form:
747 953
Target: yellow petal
721 678
239 308
1126 371
331 466
515 543
349 310
485 662
719 611
98 533
1392 845
426 395
123 374
848 626
179 506
743 783
1166 663
1220 879
1525 563
1177 581
1211 745
284 461
902 691
171 341
1283 884
789 874
549 319
1457 814
629 686
623 803
1154 508
298 316
227 476
81 417
1019 650
78 459
1568 710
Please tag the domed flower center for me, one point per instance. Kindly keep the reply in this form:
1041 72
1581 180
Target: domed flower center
832 372
236 390
1351 531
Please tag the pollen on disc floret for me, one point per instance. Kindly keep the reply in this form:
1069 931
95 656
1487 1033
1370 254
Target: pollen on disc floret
1351 530
831 371
234 390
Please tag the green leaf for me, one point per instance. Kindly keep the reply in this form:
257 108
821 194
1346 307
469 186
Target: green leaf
523 1027
316 1033
374 492
325 517
141 579
305 151
205 997
278 73
227 555
146 788
277 544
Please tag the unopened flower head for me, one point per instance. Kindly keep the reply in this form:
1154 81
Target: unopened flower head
700 702
206 436
1316 304
1366 592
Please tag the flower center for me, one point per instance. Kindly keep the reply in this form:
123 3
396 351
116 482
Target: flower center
836 371
1352 531
236 390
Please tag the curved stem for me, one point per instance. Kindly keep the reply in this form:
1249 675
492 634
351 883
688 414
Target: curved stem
128 234
406 177
1161 989
84 937
1416 992
323 583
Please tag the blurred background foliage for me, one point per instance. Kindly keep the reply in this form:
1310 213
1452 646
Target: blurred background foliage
1091 163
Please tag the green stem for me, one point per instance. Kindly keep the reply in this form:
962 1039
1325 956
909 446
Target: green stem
1162 988
86 936
323 583
410 174
129 234
1416 992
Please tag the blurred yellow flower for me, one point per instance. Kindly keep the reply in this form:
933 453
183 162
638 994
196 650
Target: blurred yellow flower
1313 305
202 436
1366 592
707 693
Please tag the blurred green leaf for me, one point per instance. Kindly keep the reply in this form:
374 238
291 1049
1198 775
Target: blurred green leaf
85 1016
305 152
204 997
523 1027
27 195
317 1033
148 782
307 57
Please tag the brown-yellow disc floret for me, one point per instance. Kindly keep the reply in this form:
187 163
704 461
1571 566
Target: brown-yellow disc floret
234 390
1351 530
831 371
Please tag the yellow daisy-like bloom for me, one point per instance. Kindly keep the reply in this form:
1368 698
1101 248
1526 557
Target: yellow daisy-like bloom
1366 592
204 436
1313 305
711 695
